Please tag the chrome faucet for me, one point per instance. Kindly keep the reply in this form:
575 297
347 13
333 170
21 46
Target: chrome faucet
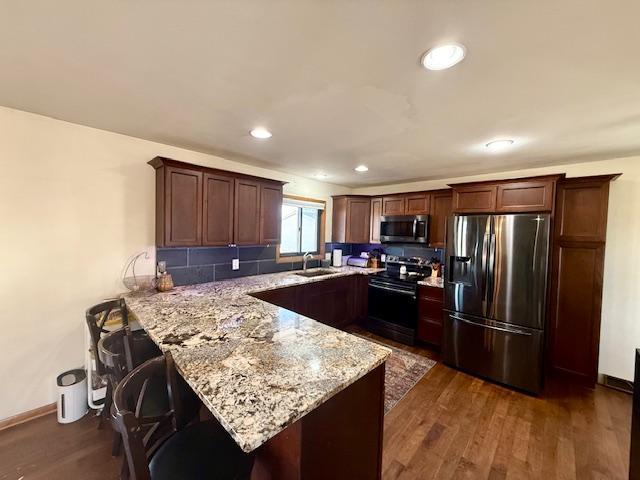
305 258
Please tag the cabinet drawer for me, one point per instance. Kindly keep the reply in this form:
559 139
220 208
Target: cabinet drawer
430 332
430 310
433 293
525 197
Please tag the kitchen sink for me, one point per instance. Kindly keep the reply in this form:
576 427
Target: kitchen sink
316 272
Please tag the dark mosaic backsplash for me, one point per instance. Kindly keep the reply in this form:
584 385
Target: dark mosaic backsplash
189 266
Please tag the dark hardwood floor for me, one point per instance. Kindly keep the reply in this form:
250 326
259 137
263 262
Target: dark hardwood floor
449 426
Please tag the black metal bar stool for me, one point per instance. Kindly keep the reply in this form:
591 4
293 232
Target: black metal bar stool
180 450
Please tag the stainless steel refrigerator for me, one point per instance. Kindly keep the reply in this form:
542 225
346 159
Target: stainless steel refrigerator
495 297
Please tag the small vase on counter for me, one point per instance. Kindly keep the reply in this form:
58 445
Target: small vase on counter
164 281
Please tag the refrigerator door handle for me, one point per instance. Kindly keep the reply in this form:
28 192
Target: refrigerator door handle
491 270
483 325
485 255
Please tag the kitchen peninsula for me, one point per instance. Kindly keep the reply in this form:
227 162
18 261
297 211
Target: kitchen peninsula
305 397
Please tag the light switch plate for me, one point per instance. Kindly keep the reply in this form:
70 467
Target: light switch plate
235 264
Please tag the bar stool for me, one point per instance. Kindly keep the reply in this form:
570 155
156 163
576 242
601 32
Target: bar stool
200 450
96 318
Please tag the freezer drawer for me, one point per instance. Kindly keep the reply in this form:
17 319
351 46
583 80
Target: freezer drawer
494 350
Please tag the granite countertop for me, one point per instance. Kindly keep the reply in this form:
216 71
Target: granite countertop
256 366
437 282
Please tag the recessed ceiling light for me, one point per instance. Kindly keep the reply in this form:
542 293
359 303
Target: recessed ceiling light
443 56
260 132
361 168
321 176
499 145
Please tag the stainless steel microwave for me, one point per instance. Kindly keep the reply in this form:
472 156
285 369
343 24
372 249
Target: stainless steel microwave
404 228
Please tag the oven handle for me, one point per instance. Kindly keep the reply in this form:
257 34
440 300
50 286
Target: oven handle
482 325
401 292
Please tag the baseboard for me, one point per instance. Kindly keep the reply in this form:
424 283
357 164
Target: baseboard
27 416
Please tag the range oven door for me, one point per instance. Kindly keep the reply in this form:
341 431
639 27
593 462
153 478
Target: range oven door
393 310
404 228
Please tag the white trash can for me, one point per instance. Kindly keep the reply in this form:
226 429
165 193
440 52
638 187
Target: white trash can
72 395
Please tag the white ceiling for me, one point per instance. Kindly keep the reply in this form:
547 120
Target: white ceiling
338 82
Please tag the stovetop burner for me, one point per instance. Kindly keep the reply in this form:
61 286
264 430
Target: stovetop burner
417 268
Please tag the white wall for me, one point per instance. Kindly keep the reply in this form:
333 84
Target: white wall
75 203
620 331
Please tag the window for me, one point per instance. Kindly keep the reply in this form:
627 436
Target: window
302 222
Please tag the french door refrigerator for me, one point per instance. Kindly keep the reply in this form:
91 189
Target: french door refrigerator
495 297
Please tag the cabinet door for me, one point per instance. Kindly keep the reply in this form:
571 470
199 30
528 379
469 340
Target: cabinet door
376 213
440 211
270 213
339 220
577 276
329 302
358 219
393 205
246 227
417 204
474 199
183 207
582 211
534 196
217 212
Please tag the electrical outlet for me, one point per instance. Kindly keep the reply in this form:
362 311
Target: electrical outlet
327 256
235 264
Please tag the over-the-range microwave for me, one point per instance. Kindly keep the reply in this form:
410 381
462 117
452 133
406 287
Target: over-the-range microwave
404 228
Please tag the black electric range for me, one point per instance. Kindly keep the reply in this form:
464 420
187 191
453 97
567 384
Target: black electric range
393 302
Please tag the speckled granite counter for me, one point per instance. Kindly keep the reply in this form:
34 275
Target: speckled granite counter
432 282
256 366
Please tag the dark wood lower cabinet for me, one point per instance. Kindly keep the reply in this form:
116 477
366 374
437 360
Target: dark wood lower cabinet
338 302
430 304
339 440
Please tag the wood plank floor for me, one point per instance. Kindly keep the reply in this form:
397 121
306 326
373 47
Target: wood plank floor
449 426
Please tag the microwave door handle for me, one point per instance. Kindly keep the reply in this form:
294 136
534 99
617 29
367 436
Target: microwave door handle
415 228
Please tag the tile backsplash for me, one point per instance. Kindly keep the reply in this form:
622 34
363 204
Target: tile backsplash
189 266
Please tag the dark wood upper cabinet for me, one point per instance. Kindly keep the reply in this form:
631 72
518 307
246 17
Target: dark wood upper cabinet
376 213
576 278
582 210
247 212
474 199
217 213
417 203
180 208
440 211
534 194
358 220
351 219
205 206
393 205
270 213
